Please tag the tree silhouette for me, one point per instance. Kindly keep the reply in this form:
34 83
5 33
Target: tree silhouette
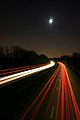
15 56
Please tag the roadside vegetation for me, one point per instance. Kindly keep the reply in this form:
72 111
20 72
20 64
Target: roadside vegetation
15 56
73 61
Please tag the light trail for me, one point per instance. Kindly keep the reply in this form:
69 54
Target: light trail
15 76
66 86
46 85
46 92
73 98
58 102
67 102
18 69
62 92
66 105
50 99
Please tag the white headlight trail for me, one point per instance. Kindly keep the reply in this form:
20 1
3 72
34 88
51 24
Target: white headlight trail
15 76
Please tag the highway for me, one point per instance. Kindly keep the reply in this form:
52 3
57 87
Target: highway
50 94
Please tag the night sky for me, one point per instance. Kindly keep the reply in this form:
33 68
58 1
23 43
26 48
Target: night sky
25 23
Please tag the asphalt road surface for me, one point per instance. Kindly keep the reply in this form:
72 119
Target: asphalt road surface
52 94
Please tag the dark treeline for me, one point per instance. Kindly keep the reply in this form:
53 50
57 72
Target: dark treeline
73 60
15 56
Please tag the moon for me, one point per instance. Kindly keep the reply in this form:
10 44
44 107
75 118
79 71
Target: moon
50 20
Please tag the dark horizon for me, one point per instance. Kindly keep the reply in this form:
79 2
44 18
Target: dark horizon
25 24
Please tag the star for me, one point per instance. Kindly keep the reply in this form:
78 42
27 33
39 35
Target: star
50 20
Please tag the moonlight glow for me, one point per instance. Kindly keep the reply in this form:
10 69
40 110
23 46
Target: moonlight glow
50 20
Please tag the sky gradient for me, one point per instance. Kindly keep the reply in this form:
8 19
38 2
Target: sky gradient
25 23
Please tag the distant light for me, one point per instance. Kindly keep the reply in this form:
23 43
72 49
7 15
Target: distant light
50 20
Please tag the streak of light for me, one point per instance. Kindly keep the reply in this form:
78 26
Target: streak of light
50 99
64 95
46 92
19 69
58 101
67 103
73 98
9 78
63 92
40 93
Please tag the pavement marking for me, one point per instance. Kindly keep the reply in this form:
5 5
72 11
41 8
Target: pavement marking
57 88
52 112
